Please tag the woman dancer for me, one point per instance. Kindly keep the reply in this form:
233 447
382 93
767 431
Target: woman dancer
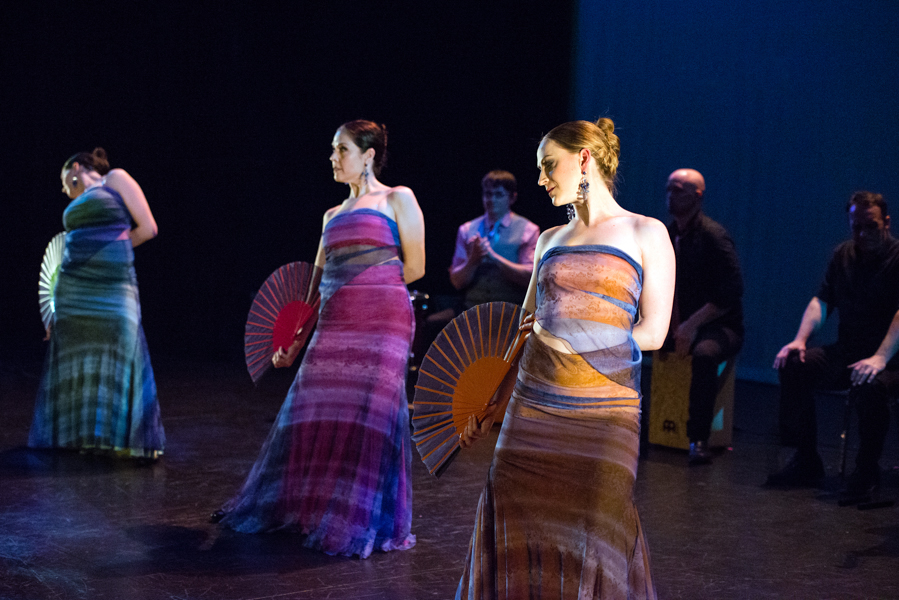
557 517
336 465
97 391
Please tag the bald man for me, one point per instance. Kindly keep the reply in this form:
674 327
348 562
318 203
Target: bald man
707 321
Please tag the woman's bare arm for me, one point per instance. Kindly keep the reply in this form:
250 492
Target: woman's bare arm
658 283
145 225
411 225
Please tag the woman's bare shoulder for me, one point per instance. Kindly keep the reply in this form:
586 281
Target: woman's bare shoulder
400 194
118 176
548 239
648 227
329 214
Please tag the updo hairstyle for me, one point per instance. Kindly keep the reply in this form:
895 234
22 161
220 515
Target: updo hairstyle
367 134
93 161
599 138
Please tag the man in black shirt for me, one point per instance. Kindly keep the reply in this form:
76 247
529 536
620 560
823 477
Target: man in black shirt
862 284
707 320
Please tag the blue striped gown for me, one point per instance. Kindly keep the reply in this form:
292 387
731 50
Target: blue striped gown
97 389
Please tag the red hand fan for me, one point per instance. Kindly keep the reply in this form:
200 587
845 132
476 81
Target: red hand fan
459 375
287 302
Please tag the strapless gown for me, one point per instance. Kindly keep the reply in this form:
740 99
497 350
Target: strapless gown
97 389
336 464
557 518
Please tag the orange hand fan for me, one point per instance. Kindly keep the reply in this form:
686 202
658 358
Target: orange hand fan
459 375
286 302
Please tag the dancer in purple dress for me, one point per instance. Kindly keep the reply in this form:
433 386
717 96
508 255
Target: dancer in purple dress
336 465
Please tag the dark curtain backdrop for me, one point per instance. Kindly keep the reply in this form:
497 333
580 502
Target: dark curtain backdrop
785 107
224 113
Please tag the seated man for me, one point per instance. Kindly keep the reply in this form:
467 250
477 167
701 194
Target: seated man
707 319
862 284
494 254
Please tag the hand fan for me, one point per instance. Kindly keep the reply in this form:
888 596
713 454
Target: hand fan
459 375
46 285
286 302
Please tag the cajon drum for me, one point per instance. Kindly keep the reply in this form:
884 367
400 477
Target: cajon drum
669 402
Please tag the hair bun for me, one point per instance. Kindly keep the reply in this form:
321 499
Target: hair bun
99 162
368 134
606 125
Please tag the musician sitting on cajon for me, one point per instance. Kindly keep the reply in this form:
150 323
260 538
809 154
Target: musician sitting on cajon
707 319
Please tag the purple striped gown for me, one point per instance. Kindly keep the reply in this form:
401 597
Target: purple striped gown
336 464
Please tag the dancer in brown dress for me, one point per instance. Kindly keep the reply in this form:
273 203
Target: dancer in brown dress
557 516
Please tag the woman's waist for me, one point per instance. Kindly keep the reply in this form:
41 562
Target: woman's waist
538 393
107 257
556 343
568 378
111 232
389 272
586 315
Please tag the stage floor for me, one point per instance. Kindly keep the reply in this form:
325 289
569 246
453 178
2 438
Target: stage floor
73 527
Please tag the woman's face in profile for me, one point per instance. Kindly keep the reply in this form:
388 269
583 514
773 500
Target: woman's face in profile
559 172
69 187
347 160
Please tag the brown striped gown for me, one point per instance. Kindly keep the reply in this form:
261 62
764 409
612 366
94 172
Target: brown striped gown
557 517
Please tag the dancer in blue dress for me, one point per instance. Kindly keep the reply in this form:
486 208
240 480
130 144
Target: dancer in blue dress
97 391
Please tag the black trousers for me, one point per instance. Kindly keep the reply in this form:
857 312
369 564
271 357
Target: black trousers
827 368
712 346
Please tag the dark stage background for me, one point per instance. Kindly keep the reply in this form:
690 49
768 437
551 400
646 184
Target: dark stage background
785 107
224 114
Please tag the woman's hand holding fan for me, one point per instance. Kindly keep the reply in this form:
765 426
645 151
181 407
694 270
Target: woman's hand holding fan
464 376
284 358
476 429
281 317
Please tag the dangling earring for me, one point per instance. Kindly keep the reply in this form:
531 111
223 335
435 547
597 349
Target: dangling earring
365 173
584 186
75 181
583 191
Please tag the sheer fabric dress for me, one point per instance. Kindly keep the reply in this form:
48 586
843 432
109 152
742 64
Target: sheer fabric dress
97 389
336 464
557 517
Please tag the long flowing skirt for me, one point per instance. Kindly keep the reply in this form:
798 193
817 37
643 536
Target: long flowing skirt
557 517
336 465
97 388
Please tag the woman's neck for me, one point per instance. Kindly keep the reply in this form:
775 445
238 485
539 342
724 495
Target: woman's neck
359 189
90 178
599 205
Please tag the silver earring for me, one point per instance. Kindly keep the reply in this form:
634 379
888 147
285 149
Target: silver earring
75 181
572 214
584 186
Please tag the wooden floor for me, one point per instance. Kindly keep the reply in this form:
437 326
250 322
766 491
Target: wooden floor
73 527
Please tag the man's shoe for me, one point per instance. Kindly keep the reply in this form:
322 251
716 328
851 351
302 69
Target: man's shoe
699 453
861 483
800 471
